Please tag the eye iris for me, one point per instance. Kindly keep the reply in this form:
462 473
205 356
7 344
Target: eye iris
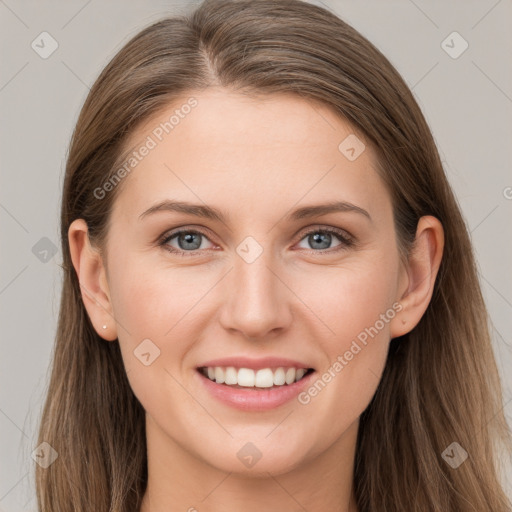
316 238
188 237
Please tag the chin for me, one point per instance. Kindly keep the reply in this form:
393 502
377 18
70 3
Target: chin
254 462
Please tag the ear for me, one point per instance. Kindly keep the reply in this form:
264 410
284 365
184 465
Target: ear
418 275
92 277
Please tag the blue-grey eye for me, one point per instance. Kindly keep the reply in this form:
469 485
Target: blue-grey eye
320 239
189 240
186 241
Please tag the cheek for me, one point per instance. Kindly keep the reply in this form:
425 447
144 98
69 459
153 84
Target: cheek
160 304
152 307
351 298
357 304
149 301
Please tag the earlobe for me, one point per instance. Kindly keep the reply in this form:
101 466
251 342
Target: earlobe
91 273
419 275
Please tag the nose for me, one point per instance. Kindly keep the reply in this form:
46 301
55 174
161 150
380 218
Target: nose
257 301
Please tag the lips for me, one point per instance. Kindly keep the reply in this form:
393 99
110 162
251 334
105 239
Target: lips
254 384
251 399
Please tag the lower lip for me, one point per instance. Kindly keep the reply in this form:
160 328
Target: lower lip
253 399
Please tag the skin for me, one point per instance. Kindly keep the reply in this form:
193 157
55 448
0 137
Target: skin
256 159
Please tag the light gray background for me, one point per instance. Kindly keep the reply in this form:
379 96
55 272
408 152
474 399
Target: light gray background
467 102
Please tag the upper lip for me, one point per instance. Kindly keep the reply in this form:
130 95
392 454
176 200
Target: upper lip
255 364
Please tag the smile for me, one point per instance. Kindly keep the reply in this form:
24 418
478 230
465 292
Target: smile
254 389
249 378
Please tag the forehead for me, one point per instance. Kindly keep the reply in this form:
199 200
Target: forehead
219 146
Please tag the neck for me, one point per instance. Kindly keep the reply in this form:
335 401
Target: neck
179 480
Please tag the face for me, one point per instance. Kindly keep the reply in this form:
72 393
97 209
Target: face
260 286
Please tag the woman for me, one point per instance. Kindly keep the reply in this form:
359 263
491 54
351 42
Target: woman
210 355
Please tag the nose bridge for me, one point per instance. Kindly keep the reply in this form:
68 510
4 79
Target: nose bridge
256 296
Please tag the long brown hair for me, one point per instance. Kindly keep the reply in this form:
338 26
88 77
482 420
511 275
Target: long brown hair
440 384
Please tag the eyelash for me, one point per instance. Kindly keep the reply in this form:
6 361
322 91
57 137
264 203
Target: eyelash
346 241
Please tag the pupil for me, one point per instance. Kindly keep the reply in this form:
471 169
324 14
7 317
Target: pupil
317 238
188 239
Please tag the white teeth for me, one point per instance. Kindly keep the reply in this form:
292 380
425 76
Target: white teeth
279 377
290 375
219 375
299 374
230 376
247 377
264 378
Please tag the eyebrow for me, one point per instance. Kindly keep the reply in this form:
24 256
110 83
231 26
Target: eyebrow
212 213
